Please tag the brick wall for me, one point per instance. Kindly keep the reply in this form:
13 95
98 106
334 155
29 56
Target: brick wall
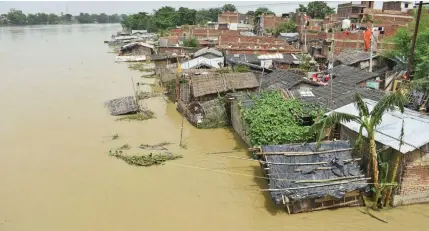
228 17
272 21
258 51
176 32
225 39
204 33
415 179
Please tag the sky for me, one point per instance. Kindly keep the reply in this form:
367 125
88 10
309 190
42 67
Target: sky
130 7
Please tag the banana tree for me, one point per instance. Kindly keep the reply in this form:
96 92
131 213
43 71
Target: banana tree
368 120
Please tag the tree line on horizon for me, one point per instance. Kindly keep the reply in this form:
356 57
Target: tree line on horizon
166 18
17 17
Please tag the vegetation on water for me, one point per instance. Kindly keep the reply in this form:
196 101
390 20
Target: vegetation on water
275 120
368 121
139 67
145 160
159 146
124 147
17 17
138 116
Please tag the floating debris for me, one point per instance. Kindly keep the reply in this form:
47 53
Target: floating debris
159 146
115 137
122 106
124 147
146 160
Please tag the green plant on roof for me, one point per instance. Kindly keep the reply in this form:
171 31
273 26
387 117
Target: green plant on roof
274 120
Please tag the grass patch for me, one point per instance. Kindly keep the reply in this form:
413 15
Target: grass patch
145 160
138 116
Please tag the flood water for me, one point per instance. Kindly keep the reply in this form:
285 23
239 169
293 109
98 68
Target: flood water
56 174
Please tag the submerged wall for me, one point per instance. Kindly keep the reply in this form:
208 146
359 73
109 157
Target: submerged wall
238 123
415 179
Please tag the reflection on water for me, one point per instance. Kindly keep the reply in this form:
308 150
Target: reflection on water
56 174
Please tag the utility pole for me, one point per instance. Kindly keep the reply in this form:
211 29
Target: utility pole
370 49
413 44
331 65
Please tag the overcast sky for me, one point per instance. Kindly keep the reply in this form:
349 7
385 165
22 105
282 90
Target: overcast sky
74 8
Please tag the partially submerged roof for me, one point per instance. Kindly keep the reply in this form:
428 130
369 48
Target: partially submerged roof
210 84
352 76
284 79
416 127
208 51
202 61
131 45
342 94
122 106
296 176
351 57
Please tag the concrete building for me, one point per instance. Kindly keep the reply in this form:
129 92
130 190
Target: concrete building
403 6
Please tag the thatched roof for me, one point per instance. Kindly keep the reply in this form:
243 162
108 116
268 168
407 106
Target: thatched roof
352 76
302 172
210 84
122 106
284 79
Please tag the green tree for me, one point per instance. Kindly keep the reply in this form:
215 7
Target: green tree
84 18
165 18
191 42
250 13
114 18
67 18
285 27
228 8
102 18
317 9
53 19
402 40
16 17
368 121
186 16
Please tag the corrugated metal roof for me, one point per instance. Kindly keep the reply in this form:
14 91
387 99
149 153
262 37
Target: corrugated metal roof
289 34
208 50
416 127
195 63
271 56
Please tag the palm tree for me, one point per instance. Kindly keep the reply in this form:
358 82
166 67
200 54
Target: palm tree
368 121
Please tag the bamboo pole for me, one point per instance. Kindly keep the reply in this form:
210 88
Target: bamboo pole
393 179
313 186
328 180
336 205
302 153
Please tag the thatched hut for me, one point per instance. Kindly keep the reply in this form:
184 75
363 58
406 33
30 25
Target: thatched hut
208 114
201 95
137 48
122 106
239 102
304 178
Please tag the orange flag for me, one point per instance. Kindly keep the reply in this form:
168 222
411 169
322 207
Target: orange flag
367 39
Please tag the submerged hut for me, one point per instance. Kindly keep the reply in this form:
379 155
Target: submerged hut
304 178
122 106
137 48
200 95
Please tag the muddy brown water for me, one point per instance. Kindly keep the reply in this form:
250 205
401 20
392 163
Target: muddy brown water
55 173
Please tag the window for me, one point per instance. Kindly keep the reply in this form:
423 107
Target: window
406 5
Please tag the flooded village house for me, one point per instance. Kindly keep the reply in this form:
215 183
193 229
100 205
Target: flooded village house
411 156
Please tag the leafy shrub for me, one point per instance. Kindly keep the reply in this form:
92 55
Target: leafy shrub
274 120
